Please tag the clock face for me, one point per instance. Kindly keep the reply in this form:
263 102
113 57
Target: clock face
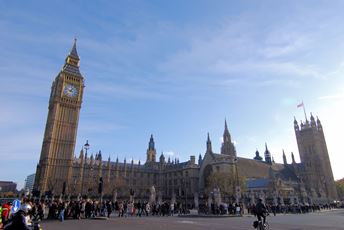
70 90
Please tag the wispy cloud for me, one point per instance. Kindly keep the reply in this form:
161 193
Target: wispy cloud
333 96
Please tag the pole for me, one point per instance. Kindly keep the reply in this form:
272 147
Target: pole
186 201
304 110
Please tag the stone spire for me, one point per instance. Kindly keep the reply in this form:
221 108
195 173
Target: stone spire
151 144
313 124
257 157
162 158
319 124
292 158
227 147
296 125
226 135
81 156
72 61
151 152
284 158
209 148
73 53
267 155
199 160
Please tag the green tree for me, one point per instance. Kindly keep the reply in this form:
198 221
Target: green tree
226 182
340 188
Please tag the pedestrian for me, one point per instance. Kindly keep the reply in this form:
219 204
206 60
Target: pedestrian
108 209
61 209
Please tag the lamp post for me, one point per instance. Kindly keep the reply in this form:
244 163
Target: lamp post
86 147
237 185
186 193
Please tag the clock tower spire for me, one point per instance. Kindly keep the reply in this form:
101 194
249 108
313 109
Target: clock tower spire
55 165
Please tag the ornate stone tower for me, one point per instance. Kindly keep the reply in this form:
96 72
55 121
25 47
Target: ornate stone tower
151 152
54 170
227 147
317 173
267 155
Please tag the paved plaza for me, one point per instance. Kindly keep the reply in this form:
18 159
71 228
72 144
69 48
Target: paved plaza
321 220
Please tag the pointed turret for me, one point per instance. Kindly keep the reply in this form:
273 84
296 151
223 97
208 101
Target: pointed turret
267 155
199 159
226 135
73 53
151 152
227 147
319 124
162 158
292 158
257 157
284 158
108 162
100 156
81 156
296 125
72 62
209 147
92 159
313 124
151 143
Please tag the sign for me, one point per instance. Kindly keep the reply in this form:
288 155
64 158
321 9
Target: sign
15 206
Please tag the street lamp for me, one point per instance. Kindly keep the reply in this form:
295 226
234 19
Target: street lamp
86 147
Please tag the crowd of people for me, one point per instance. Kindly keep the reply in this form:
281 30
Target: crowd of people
88 208
94 208
293 208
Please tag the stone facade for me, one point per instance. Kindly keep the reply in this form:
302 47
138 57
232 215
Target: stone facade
59 171
54 169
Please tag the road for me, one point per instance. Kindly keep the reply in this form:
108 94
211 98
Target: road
321 220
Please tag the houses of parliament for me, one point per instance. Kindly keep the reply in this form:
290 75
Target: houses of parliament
61 170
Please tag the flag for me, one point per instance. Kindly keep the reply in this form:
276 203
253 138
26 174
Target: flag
300 105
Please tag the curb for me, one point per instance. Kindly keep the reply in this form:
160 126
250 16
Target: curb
100 218
209 216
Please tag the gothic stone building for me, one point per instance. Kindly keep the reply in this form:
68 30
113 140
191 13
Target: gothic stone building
59 171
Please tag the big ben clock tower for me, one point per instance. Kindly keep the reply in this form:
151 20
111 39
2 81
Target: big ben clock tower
54 170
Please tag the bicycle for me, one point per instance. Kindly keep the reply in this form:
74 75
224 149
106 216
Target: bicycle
258 224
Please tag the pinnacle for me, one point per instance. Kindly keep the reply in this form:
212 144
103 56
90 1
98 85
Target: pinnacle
73 52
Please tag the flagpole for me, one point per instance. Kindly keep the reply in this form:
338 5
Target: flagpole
304 110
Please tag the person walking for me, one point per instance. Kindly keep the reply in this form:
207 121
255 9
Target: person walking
61 209
108 209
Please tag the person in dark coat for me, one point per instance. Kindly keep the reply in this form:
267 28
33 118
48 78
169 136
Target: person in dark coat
108 208
18 221
261 211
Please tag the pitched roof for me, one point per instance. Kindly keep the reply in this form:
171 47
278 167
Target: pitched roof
73 51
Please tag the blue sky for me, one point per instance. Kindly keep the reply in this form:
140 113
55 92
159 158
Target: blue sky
175 69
